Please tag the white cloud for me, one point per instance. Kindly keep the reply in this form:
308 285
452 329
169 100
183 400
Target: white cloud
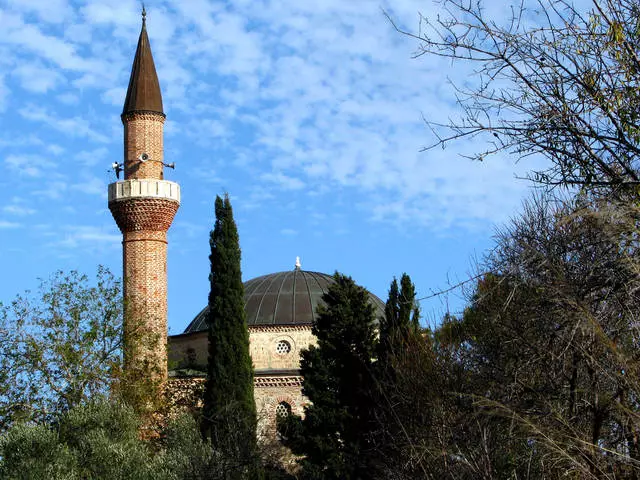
206 174
27 165
91 186
115 96
31 38
90 158
301 96
285 182
73 127
110 12
37 78
68 98
4 93
87 236
190 229
53 190
7 225
18 210
52 11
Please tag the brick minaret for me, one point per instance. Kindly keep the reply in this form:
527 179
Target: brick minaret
143 205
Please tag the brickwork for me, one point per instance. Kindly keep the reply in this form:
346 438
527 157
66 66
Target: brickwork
144 216
136 214
143 133
145 293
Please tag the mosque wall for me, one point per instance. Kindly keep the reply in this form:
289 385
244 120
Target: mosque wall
273 396
277 347
272 347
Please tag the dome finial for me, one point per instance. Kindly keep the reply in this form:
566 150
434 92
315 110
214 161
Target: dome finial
298 264
144 15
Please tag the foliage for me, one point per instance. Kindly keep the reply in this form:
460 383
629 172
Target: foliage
28 451
229 415
100 440
187 455
563 297
60 346
401 317
539 377
335 433
96 440
550 80
546 353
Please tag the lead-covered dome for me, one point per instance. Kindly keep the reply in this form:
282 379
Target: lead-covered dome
283 298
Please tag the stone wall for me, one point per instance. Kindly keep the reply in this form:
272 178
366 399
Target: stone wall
269 393
190 350
278 347
185 394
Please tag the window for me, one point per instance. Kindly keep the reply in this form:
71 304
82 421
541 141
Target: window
283 410
283 347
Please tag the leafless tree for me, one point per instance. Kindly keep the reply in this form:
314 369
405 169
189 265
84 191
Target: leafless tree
552 80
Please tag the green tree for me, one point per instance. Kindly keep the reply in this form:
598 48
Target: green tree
551 339
101 440
401 317
60 346
96 440
229 414
334 435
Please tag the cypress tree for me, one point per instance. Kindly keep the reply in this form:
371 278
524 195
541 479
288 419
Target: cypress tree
229 413
334 435
408 309
401 317
399 348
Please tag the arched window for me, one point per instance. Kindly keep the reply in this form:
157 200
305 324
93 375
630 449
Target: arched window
283 347
283 410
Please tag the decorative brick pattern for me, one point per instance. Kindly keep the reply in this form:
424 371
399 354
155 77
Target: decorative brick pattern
143 133
184 394
279 328
135 214
278 382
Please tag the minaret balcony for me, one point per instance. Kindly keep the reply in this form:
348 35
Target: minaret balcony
144 188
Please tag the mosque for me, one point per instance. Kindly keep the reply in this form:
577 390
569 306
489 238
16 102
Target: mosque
280 307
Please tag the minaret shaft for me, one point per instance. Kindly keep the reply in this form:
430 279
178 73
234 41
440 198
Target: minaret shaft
143 134
145 292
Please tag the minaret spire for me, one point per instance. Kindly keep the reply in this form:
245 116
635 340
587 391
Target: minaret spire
143 94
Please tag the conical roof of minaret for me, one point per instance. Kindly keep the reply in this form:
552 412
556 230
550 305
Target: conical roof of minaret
143 94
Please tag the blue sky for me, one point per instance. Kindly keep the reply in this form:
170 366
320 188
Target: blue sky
308 113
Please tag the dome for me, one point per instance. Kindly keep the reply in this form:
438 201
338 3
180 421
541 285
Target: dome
283 298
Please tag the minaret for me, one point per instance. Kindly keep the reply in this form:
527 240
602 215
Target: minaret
143 205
